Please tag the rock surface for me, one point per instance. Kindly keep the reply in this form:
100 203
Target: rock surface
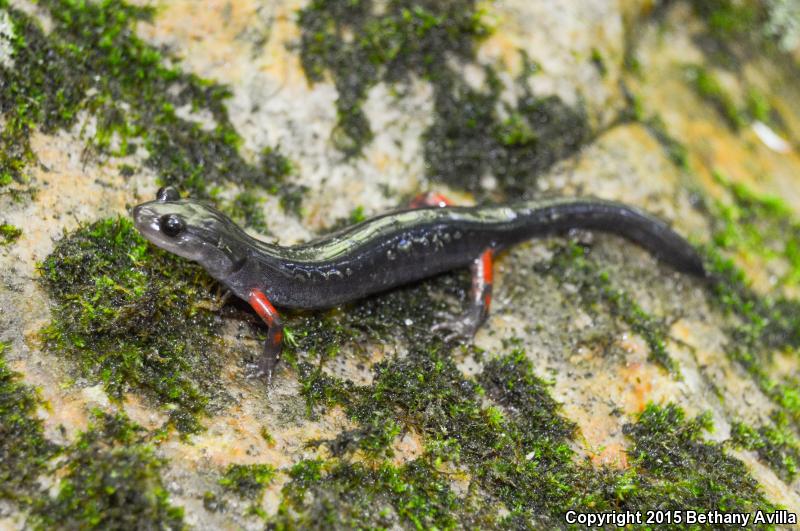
373 420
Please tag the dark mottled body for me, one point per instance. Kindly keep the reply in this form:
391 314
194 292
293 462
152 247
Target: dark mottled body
402 247
386 251
408 245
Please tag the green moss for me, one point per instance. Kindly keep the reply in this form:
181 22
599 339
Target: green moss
108 478
510 381
631 62
514 454
758 225
635 108
474 132
599 62
469 138
776 444
24 450
360 48
9 234
758 107
426 393
683 470
761 325
248 481
92 61
537 450
675 150
357 215
212 503
729 19
572 264
762 229
111 480
336 494
134 318
246 208
709 88
267 436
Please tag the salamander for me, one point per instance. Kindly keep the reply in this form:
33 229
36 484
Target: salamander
388 250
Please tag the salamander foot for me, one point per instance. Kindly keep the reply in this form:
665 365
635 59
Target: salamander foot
461 326
269 360
465 325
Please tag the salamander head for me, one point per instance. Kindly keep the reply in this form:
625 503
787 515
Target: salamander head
191 230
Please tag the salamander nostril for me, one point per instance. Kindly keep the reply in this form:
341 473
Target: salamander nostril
171 225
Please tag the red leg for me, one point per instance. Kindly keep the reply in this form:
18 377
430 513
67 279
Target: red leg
482 276
430 199
467 324
274 342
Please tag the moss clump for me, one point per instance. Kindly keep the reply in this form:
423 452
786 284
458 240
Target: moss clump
572 264
759 226
761 325
212 503
685 472
246 208
474 132
248 481
337 494
675 150
514 454
92 61
510 381
424 393
134 318
599 62
758 107
776 444
404 314
24 451
267 436
470 138
761 229
9 234
709 88
729 19
360 48
111 481
534 451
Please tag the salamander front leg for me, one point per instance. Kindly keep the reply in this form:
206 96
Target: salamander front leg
466 324
274 343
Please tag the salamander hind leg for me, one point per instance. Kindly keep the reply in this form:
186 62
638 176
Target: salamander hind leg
466 324
430 199
274 343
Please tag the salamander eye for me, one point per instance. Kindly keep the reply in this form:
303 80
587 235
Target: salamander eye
171 225
167 193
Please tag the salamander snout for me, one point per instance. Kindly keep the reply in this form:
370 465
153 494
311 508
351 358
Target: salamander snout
157 224
143 218
147 222
167 226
